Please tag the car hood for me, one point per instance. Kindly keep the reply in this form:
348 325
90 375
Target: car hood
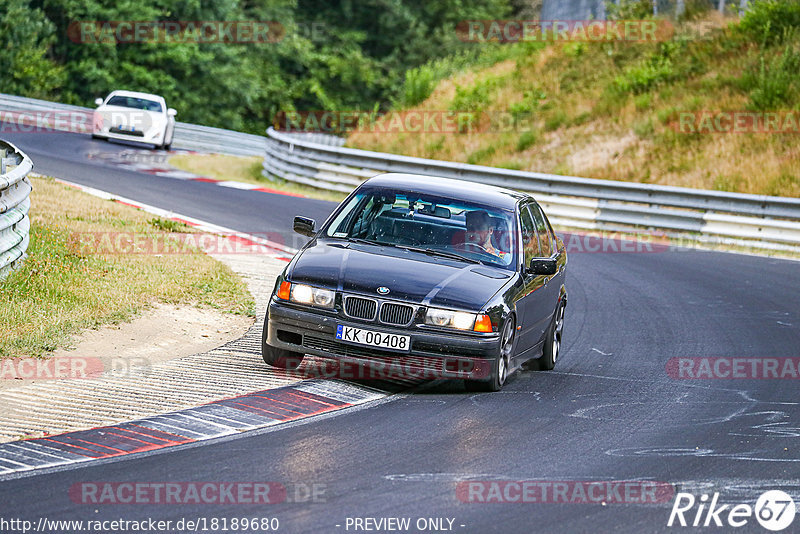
410 276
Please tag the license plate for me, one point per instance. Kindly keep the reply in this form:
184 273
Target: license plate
372 338
123 128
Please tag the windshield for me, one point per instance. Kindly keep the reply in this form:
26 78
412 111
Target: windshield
134 102
431 223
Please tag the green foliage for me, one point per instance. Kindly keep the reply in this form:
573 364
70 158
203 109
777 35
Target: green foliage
728 183
695 9
474 98
168 225
769 21
25 37
333 55
653 71
773 82
629 9
556 120
527 140
784 185
418 86
481 154
420 81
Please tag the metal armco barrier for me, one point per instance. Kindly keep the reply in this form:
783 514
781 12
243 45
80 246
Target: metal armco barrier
764 221
187 136
15 202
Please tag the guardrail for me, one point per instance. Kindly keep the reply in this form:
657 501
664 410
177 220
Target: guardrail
187 136
763 221
15 190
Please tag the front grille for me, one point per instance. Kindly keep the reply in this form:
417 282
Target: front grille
360 308
397 314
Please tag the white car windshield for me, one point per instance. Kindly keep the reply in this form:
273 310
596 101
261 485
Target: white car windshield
135 103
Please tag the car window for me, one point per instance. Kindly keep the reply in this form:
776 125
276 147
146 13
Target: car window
442 224
530 241
545 239
134 103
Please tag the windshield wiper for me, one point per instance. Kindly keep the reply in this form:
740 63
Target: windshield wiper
428 251
368 241
442 254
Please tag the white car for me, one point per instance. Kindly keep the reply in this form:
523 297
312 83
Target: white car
134 116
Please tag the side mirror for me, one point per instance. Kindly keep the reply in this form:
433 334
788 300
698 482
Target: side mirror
171 112
304 226
545 266
98 101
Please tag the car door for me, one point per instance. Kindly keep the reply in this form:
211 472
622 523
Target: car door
533 302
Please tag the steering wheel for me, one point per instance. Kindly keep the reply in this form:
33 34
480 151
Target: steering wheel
471 246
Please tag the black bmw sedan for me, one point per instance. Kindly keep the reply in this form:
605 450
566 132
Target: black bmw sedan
432 275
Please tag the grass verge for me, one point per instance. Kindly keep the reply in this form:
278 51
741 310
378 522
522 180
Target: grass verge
613 110
245 169
62 288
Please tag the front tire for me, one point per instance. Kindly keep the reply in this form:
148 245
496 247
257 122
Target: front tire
552 343
499 372
280 358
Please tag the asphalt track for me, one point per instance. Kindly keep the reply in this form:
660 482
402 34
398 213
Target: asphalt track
610 410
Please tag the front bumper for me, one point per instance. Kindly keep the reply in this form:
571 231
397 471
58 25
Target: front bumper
156 138
433 354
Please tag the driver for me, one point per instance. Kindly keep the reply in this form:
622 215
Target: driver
479 232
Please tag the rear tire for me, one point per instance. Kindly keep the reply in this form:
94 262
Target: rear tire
499 372
552 343
280 358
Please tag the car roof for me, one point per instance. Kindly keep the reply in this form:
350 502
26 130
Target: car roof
134 94
462 189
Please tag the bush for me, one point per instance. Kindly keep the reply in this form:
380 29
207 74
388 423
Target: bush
418 86
629 9
527 140
774 81
770 21
653 71
474 98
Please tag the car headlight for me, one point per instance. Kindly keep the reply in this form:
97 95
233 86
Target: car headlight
304 294
458 320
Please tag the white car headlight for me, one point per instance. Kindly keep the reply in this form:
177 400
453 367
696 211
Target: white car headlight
452 319
315 296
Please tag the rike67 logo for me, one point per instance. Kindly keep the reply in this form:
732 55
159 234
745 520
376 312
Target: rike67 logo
774 510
